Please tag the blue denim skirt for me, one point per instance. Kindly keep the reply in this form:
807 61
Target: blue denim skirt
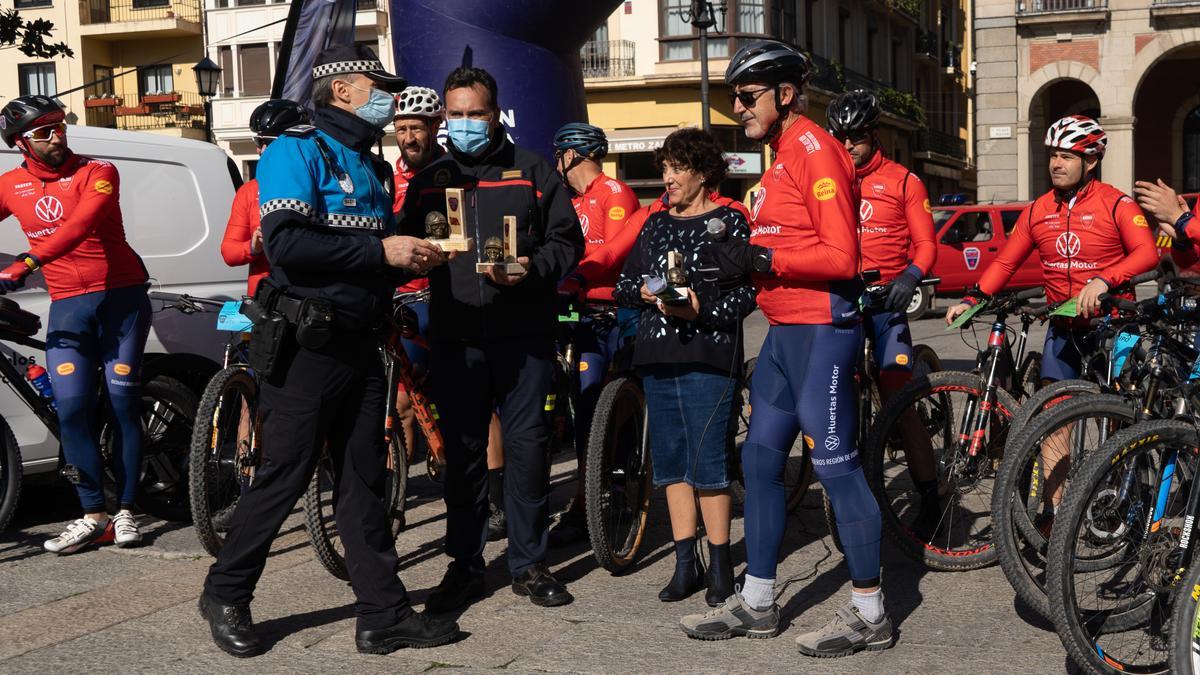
689 410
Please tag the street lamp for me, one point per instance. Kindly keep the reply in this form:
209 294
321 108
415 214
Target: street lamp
208 75
701 14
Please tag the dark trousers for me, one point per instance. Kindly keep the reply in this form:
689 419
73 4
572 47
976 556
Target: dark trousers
469 381
335 396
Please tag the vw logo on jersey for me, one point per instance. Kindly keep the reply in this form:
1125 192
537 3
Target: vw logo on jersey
49 209
583 224
757 200
1067 245
832 443
865 211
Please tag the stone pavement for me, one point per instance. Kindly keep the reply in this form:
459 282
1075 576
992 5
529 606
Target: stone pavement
135 610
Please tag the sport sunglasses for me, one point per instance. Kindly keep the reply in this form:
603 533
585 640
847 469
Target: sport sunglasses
43 133
747 97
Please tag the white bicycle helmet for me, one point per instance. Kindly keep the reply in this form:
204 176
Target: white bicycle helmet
1078 134
419 102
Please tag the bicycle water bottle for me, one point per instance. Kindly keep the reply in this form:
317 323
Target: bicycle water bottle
40 380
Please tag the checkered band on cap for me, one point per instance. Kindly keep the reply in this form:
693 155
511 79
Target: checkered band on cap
344 67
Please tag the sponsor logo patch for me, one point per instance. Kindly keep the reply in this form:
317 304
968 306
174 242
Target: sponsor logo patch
824 189
122 369
809 442
865 211
583 366
65 368
49 209
441 177
583 224
1067 245
928 208
103 187
758 200
810 142
902 359
616 213
971 257
1140 221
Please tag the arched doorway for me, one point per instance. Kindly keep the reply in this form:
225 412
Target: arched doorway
1056 100
1166 108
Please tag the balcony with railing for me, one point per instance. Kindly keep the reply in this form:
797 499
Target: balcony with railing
835 78
932 142
607 59
1171 8
152 111
128 19
1054 11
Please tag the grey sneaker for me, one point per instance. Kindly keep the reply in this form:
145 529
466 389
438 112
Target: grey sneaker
731 619
848 632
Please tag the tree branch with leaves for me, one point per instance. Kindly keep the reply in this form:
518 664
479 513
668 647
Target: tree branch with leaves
30 36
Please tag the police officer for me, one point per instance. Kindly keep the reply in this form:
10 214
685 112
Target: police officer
492 338
327 230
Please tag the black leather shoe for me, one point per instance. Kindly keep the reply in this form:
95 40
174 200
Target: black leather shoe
458 588
232 627
541 587
417 631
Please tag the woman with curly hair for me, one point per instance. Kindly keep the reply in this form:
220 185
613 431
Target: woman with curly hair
689 354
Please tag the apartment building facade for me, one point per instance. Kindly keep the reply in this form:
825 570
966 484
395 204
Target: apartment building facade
642 78
1128 63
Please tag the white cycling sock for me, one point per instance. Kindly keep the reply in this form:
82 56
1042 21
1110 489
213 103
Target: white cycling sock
759 593
869 605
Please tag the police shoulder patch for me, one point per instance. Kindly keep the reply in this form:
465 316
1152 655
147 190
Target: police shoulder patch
300 130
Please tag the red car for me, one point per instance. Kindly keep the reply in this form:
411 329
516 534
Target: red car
968 239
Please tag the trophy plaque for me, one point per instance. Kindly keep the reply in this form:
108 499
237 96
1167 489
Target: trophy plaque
502 253
675 291
447 231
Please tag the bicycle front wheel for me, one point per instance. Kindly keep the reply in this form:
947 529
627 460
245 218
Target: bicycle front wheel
941 426
617 489
320 519
224 453
1185 624
1119 546
10 474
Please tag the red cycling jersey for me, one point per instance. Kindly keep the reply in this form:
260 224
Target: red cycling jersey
71 215
894 218
806 211
603 209
602 264
402 177
1099 233
235 246
1187 258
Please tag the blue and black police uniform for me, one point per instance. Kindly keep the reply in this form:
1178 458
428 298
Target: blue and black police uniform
325 209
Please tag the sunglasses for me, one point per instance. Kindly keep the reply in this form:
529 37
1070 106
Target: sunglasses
261 142
855 139
747 97
43 133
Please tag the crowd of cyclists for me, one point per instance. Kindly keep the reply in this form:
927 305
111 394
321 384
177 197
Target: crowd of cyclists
671 281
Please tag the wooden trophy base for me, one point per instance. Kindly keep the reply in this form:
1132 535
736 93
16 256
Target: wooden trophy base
507 268
680 296
461 244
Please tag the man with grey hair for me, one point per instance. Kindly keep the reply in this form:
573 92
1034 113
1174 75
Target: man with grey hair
328 232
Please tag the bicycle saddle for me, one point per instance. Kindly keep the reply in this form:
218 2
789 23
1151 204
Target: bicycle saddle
16 321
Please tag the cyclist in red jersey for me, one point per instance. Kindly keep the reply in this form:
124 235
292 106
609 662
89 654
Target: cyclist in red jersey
68 206
603 205
1174 220
803 258
242 244
894 218
1091 238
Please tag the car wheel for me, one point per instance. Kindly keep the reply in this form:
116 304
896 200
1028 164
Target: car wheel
922 301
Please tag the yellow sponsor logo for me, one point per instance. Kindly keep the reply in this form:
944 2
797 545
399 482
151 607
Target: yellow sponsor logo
65 368
928 208
616 213
1196 592
902 359
809 442
824 189
1140 221
583 366
122 369
550 399
103 187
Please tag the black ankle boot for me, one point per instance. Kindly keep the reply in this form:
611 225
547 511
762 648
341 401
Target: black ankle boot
689 572
719 577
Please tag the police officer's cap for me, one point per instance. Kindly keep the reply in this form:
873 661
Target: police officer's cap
357 59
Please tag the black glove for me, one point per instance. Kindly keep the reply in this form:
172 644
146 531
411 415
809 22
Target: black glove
734 258
900 292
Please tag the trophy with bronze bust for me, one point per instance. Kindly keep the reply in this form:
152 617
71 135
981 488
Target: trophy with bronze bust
672 287
502 252
446 229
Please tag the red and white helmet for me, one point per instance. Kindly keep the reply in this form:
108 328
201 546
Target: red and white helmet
1078 134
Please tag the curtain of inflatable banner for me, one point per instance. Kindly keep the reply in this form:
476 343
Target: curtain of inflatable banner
531 47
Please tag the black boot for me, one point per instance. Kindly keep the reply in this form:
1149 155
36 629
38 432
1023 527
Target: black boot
232 627
719 577
689 573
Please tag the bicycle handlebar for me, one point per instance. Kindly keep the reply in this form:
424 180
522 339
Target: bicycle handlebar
185 303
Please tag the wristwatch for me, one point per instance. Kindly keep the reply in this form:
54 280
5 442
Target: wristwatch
761 262
1181 224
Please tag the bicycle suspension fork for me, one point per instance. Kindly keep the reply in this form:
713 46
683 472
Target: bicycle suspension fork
974 425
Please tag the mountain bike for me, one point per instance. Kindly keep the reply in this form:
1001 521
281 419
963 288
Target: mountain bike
1185 624
966 416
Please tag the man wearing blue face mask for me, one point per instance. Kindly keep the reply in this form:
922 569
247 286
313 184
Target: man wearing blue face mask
492 338
329 235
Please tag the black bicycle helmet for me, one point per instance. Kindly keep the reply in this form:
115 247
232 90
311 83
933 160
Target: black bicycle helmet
27 112
585 139
275 116
768 62
853 113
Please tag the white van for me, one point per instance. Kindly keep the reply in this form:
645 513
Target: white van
175 198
